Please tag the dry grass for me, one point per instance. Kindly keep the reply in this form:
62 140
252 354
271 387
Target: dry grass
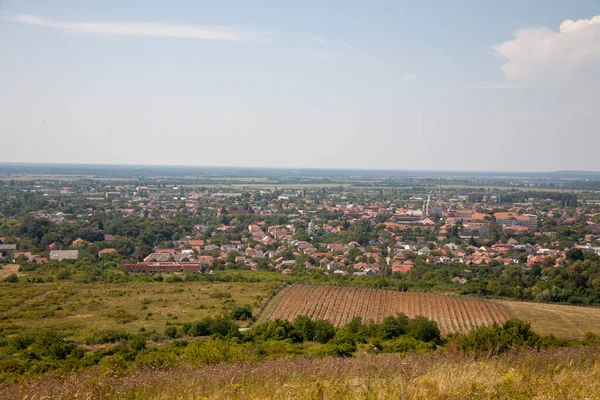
572 373
78 310
564 321
8 269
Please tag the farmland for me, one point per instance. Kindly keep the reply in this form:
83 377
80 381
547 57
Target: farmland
340 304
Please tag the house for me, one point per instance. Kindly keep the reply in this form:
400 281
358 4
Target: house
7 248
336 247
26 254
514 219
106 251
206 261
165 251
60 255
158 257
79 241
108 238
334 266
195 243
459 280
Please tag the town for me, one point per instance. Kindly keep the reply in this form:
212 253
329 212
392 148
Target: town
476 239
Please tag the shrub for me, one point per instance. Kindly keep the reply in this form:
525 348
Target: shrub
278 329
324 331
215 351
590 338
12 278
305 327
138 343
171 331
63 274
155 359
107 336
241 313
425 330
342 345
392 327
121 316
497 339
113 365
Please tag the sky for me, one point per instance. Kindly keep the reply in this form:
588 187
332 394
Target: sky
426 85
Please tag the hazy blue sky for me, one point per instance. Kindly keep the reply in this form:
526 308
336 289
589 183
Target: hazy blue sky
476 85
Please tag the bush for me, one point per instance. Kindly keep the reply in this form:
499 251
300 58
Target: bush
107 336
63 274
342 345
215 351
138 343
278 329
425 330
211 326
155 359
305 327
114 365
497 339
591 339
404 344
171 331
12 278
324 331
241 313
121 316
392 327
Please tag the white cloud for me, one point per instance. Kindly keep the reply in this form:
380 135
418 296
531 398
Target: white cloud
130 28
410 78
544 56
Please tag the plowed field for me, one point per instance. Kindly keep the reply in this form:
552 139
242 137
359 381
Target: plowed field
340 304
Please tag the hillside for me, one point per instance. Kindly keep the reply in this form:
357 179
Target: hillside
550 374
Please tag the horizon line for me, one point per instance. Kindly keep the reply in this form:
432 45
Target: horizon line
298 168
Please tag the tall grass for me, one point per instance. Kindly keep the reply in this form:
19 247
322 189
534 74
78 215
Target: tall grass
564 373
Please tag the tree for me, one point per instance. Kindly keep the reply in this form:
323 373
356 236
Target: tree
424 329
392 327
574 255
324 331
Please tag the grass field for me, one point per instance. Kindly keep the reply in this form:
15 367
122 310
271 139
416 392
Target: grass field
78 310
340 304
567 373
564 321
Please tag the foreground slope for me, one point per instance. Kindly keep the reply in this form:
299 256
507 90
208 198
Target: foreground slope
340 304
550 374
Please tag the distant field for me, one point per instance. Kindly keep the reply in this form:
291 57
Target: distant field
340 304
534 189
77 310
569 322
260 185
